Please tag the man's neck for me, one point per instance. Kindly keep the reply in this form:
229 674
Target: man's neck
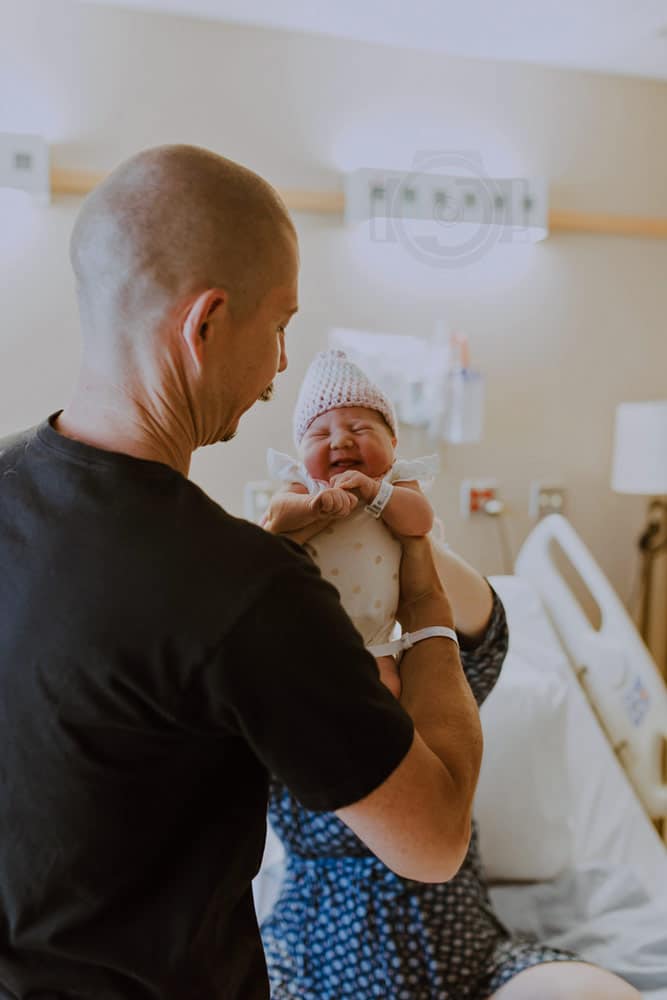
117 425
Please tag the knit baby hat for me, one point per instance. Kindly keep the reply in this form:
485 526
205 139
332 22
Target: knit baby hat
333 381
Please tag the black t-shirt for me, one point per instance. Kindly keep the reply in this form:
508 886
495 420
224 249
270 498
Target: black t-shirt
158 658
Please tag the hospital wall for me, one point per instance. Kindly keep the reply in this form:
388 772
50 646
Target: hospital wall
562 330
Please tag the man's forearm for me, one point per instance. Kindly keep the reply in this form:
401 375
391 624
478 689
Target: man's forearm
419 820
436 695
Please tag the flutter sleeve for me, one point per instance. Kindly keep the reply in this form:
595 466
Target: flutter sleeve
288 470
424 470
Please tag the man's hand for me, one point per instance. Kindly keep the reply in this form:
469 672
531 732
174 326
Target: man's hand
299 516
352 479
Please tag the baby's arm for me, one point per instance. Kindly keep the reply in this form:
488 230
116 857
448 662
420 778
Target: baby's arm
407 511
298 515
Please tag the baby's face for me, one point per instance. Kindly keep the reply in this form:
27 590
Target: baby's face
350 437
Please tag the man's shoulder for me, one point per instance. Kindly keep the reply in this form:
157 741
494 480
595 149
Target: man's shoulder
242 566
245 542
266 550
15 443
13 450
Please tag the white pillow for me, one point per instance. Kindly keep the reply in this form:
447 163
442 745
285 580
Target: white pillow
524 803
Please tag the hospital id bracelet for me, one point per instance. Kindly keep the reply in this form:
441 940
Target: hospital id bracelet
382 498
409 639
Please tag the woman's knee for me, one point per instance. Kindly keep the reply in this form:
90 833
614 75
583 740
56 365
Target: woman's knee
566 981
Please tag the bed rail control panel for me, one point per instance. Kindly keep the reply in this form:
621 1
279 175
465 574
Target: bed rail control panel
614 666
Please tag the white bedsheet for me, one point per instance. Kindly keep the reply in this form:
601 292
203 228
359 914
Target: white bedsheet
604 913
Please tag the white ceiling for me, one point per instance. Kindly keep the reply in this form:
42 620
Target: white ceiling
613 36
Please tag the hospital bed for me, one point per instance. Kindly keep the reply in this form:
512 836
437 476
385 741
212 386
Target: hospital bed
572 780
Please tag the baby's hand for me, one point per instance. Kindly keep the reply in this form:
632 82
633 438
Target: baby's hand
352 479
334 502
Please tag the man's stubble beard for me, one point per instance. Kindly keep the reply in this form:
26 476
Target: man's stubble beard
264 397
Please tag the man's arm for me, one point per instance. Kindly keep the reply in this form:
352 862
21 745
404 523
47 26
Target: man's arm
298 515
309 700
418 820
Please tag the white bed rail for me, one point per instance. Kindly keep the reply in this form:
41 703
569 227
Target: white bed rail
611 661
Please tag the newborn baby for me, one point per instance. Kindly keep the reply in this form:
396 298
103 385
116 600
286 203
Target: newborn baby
346 491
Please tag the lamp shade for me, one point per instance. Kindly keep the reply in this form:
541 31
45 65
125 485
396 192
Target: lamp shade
640 449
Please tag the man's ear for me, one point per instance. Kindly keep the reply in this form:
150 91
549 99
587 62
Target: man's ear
196 329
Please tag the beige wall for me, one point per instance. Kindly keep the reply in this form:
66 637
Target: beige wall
563 330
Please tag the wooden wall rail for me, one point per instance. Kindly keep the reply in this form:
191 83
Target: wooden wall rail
611 225
80 182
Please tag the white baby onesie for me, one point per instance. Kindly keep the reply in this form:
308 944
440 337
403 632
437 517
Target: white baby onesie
358 554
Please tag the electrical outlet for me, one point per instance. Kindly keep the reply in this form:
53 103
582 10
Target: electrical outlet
475 493
546 498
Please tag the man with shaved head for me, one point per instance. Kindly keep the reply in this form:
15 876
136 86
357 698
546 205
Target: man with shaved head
186 268
157 654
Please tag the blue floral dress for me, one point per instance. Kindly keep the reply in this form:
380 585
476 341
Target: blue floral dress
346 928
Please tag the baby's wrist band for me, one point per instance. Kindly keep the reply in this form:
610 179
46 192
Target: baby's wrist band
382 498
409 639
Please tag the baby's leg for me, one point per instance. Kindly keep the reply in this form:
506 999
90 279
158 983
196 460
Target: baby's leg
389 674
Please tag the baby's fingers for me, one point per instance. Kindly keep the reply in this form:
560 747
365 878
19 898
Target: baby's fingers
338 500
335 502
343 502
345 480
323 503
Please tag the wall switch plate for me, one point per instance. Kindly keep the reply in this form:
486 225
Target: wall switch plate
546 497
24 163
256 499
475 493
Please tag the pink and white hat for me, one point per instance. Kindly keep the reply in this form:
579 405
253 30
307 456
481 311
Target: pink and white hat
333 381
